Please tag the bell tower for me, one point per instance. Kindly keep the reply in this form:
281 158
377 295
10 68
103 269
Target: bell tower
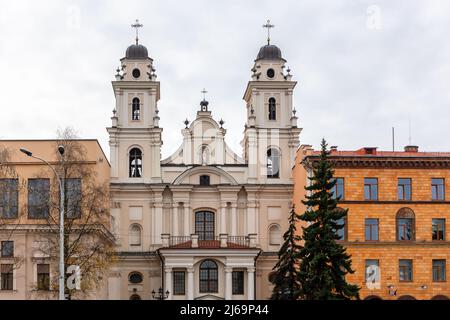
271 134
135 136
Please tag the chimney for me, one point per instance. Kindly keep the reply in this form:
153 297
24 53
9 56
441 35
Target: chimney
333 148
370 150
411 149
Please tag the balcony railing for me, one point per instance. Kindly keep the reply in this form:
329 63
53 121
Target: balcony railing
221 241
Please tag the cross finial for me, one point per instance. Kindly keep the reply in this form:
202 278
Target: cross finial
137 25
204 94
268 26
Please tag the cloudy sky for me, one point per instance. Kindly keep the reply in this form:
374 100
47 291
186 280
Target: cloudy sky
363 67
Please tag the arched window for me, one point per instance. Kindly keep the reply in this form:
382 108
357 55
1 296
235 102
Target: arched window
274 235
204 225
272 109
405 224
135 163
135 297
135 235
208 277
136 109
273 163
135 277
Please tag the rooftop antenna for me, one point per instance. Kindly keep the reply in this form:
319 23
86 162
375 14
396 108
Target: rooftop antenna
393 139
409 130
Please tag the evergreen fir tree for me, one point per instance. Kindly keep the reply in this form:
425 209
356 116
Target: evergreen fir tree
285 273
324 263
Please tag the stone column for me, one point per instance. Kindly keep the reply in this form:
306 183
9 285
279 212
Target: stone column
175 220
250 283
190 283
158 223
168 283
187 220
233 220
228 283
223 218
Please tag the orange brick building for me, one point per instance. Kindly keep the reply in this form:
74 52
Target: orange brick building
399 215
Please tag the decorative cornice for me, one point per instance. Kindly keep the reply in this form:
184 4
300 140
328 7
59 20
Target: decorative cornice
382 162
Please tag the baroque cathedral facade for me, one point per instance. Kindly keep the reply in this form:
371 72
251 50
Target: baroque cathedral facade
204 223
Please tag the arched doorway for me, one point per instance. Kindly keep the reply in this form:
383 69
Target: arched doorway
440 297
372 297
406 297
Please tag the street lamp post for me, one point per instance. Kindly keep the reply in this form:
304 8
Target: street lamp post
61 218
161 294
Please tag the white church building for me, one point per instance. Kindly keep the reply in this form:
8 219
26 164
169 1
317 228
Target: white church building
204 223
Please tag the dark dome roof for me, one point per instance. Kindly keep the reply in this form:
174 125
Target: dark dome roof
136 51
270 52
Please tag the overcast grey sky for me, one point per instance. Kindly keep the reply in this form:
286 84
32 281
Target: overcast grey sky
362 66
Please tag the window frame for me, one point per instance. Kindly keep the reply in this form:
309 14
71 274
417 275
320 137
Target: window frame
442 268
205 180
409 270
237 282
443 221
133 163
366 264
274 159
207 224
336 188
371 226
212 281
9 198
2 249
38 207
405 196
136 107
8 279
179 287
43 278
272 109
433 185
371 187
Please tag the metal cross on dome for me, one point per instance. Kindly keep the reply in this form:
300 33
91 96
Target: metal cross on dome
268 26
204 94
137 25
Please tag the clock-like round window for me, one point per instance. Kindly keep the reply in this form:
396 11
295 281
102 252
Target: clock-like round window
270 73
135 277
136 73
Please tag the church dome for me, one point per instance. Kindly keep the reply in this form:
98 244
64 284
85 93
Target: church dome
269 52
136 51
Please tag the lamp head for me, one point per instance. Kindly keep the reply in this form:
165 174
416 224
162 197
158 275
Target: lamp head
61 150
28 153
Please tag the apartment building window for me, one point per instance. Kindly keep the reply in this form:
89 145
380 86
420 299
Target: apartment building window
43 277
437 189
178 282
6 275
38 198
405 224
439 270
404 189
370 188
7 249
371 229
338 189
238 282
8 198
405 270
438 229
372 271
341 231
73 197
